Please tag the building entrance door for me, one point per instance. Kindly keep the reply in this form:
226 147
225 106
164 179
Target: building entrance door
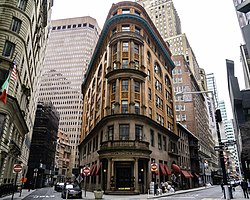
123 176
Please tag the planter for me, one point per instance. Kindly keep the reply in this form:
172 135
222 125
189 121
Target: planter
98 194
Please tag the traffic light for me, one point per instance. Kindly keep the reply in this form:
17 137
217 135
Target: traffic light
218 116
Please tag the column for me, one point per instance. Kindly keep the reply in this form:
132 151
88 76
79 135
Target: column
143 106
131 57
118 55
137 189
109 169
109 61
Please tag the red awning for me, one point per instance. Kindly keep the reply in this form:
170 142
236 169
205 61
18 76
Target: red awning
92 171
185 173
99 167
163 172
167 170
191 176
176 168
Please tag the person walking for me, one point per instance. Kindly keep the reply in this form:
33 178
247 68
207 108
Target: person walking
244 186
248 185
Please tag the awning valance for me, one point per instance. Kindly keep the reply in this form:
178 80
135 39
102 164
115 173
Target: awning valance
92 171
98 168
163 172
185 173
167 169
176 168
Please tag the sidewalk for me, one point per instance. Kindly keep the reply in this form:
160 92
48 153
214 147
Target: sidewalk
238 194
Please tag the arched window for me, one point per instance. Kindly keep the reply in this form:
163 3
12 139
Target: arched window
157 69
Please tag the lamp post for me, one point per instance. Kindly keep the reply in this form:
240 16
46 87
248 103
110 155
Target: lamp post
104 179
142 180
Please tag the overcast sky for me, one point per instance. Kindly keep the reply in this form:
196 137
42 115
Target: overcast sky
211 27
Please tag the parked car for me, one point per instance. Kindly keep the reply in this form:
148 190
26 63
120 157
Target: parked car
59 187
71 191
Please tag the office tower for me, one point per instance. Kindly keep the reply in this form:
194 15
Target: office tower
41 163
128 120
70 46
211 86
240 106
229 137
242 8
24 32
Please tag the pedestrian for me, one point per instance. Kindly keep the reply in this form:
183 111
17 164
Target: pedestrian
222 187
244 187
248 185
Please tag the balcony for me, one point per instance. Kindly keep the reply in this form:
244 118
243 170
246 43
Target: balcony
124 145
244 7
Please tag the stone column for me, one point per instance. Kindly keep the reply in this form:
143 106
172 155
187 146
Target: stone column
132 96
137 189
109 171
107 104
143 96
117 97
118 55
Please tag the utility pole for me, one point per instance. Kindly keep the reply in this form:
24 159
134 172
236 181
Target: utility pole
222 163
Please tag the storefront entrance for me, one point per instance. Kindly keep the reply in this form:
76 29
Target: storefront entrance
124 177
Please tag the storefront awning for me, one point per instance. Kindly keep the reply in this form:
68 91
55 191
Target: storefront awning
185 173
163 172
176 168
98 168
191 176
197 175
167 170
92 171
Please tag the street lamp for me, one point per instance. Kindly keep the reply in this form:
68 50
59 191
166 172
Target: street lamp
104 178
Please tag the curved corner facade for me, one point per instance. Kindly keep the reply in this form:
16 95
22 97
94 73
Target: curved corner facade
128 118
23 35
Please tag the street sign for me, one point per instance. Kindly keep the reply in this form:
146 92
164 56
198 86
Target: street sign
230 143
79 179
154 167
86 171
220 148
17 168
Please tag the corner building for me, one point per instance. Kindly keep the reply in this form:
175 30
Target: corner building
128 112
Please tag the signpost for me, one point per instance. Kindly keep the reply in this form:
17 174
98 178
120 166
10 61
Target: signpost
220 148
154 167
17 168
86 172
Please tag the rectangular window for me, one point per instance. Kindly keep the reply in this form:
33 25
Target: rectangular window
149 94
15 24
137 30
159 141
124 63
137 86
124 131
164 143
21 4
113 87
136 64
124 106
124 85
110 132
125 11
149 76
112 108
125 46
138 132
8 49
150 112
137 108
126 27
115 48
136 48
152 139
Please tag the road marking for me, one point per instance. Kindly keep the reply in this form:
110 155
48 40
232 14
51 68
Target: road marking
43 196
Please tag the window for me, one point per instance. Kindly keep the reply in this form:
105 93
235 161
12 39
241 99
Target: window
3 76
112 108
137 108
137 30
113 87
149 76
136 64
164 143
136 48
124 106
125 11
8 49
159 141
124 85
124 63
138 132
137 12
125 27
125 46
15 24
148 57
110 132
114 31
152 140
157 69
150 112
115 48
21 4
124 131
137 86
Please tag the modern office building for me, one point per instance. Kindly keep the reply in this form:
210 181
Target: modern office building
242 8
23 36
41 163
128 122
229 136
70 47
211 86
240 105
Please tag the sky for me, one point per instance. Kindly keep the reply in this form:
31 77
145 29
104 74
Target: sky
211 27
